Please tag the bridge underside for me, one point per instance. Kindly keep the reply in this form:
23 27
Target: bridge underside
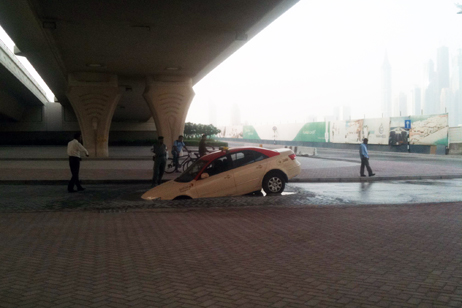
119 61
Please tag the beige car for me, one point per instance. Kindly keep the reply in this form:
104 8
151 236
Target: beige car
232 172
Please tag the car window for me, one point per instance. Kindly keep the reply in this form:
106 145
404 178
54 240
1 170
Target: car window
246 157
191 173
259 156
218 166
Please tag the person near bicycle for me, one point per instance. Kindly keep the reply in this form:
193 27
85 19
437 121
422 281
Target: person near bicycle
178 145
160 160
203 146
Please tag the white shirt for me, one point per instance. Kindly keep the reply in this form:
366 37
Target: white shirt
74 148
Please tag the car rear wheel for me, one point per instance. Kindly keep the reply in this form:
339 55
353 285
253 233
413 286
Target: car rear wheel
274 183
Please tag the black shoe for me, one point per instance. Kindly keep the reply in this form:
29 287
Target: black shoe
80 189
71 191
372 174
363 175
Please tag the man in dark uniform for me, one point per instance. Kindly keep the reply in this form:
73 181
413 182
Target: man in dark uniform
202 146
160 160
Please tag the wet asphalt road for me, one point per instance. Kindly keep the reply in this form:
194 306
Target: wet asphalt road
386 192
27 198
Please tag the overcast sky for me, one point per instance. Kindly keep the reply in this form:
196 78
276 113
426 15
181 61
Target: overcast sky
322 54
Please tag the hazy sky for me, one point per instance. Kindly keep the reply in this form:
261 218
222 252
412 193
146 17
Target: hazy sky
320 54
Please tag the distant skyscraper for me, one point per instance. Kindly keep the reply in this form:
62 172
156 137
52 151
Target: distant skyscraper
442 75
430 93
386 88
235 115
212 113
400 105
337 113
416 96
346 113
342 113
446 100
442 68
455 109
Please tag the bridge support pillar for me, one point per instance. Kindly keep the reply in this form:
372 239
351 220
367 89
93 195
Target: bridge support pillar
94 97
169 101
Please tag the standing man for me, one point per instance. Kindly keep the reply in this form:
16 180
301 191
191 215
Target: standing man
364 158
178 145
203 146
74 148
160 160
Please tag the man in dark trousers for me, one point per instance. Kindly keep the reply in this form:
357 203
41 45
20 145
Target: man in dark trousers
364 158
160 160
178 146
203 146
74 148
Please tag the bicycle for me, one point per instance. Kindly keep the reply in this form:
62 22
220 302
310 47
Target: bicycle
170 167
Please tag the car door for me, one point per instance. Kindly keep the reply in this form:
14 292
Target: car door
249 170
220 181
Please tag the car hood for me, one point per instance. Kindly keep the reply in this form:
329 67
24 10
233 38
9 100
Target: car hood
165 191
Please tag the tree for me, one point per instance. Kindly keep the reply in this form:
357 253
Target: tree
192 130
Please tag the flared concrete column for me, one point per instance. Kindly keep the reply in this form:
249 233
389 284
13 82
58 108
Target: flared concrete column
169 102
94 97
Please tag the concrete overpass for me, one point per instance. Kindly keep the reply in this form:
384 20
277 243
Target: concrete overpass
18 89
128 61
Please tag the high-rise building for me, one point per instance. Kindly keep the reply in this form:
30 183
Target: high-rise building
400 105
416 95
455 109
337 115
386 88
235 115
430 93
346 110
342 113
213 113
446 100
442 68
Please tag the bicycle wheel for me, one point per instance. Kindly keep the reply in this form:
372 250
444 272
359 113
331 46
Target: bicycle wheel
170 167
187 164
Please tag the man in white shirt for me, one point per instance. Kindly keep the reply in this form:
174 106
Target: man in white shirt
74 148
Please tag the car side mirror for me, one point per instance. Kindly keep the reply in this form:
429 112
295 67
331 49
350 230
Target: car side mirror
204 175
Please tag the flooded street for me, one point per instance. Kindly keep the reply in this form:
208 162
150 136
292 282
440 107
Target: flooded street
386 192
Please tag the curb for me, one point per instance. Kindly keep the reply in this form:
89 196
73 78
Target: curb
295 180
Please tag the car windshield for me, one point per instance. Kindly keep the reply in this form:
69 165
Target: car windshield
191 172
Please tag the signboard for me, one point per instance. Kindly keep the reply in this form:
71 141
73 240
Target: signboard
354 131
398 130
250 133
338 131
407 124
312 132
429 129
377 131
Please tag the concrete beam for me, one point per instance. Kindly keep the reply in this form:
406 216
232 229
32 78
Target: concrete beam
12 64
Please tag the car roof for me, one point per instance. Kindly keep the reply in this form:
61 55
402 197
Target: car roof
215 155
